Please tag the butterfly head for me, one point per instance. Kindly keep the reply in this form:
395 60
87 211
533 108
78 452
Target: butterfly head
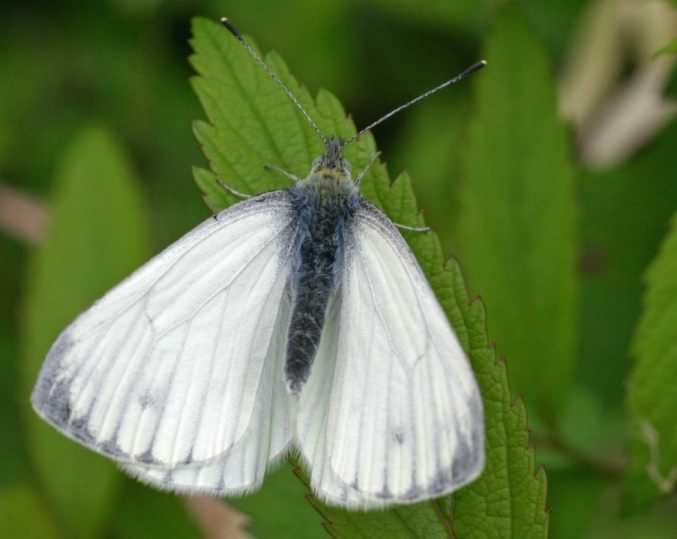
331 169
332 161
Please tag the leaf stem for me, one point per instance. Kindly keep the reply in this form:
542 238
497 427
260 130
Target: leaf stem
444 520
22 216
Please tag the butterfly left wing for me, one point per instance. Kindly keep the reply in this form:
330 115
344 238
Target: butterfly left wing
391 412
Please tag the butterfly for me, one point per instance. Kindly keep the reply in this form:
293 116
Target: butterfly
298 320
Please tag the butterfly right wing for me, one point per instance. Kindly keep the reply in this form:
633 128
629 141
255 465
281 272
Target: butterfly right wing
243 467
166 369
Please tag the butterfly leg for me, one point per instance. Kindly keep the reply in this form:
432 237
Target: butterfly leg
413 228
232 191
362 174
273 168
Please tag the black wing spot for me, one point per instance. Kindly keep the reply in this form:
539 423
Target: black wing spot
398 436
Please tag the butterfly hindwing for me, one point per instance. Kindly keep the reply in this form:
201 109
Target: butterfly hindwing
243 467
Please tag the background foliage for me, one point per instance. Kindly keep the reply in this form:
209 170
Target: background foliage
550 178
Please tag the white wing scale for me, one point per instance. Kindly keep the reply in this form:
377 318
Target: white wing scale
403 418
165 369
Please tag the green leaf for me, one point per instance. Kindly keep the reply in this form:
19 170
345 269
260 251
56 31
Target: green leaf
637 197
23 514
277 510
656 523
252 123
518 219
573 494
669 49
652 400
555 22
97 235
13 459
434 160
142 512
463 14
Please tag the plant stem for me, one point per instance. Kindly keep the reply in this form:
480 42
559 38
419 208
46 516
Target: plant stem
609 466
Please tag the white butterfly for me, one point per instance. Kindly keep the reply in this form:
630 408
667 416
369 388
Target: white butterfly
294 319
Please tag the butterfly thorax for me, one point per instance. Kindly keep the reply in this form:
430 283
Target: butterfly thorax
323 204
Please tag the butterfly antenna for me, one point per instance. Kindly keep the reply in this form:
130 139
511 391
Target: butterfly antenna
454 80
233 30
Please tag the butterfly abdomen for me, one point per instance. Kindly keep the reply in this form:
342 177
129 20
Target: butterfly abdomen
323 225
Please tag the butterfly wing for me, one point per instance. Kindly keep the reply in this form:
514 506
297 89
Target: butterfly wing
243 467
391 412
166 369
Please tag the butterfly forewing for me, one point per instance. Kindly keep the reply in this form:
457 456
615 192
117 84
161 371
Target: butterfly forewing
167 369
403 417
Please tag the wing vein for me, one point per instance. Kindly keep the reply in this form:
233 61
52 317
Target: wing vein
369 366
258 325
228 284
190 385
217 229
125 373
160 418
212 358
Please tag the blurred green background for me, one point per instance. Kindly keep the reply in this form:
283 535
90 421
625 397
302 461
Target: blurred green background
96 114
